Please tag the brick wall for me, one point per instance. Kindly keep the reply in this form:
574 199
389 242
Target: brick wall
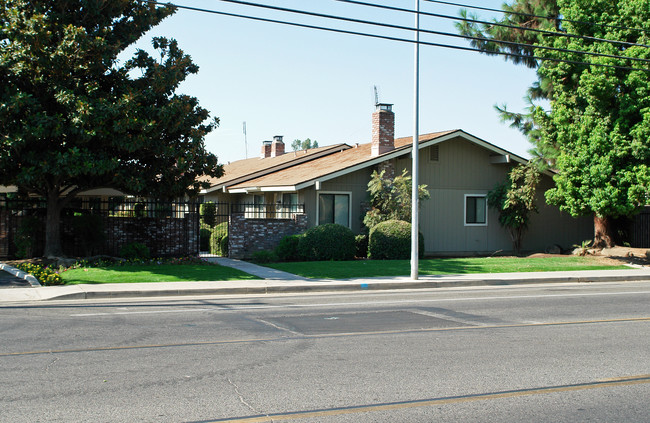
247 236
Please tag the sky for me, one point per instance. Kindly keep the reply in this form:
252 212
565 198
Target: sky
304 83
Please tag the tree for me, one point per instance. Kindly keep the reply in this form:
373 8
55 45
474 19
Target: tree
75 118
303 145
514 199
596 132
390 198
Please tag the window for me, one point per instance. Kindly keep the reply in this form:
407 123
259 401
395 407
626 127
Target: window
434 153
334 208
289 205
475 210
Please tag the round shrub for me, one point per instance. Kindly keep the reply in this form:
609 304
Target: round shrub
327 242
219 233
287 249
391 240
135 250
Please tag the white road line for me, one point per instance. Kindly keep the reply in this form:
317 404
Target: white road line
218 308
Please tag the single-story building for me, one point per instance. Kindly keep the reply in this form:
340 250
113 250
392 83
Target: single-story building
331 184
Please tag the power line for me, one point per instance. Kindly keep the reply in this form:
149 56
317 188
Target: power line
469 20
427 31
552 18
386 37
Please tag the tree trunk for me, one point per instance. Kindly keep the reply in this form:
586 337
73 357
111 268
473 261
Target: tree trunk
603 232
53 226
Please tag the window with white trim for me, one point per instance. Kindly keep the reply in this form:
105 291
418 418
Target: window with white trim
475 210
334 208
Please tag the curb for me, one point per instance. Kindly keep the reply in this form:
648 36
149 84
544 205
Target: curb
20 274
344 286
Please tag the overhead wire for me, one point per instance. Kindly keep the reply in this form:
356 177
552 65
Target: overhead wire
427 31
391 38
553 18
470 20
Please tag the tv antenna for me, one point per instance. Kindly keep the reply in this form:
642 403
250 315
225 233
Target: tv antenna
376 95
245 140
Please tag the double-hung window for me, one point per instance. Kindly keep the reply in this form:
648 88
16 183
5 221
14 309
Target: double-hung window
475 210
334 208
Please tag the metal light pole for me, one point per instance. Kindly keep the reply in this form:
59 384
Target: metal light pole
415 149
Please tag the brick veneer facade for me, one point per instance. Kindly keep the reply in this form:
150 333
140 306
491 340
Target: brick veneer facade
246 236
383 130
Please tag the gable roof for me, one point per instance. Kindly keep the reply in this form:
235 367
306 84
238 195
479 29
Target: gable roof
294 175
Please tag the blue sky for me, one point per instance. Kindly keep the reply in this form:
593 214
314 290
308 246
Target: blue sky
303 83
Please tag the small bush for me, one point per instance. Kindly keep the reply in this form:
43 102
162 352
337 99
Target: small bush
46 276
219 241
208 212
327 242
391 240
361 242
204 239
287 249
135 250
264 256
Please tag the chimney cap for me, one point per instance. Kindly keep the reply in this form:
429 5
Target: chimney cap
267 142
385 106
278 138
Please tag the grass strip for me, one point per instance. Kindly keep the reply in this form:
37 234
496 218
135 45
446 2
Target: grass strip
441 266
135 273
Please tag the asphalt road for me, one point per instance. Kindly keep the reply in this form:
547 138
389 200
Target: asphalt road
560 353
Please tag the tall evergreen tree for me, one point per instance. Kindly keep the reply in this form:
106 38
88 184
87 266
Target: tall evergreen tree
74 117
596 134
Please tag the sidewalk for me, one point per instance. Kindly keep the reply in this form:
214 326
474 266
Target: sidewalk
275 282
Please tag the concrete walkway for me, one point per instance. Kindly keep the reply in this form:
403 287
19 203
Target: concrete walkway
273 281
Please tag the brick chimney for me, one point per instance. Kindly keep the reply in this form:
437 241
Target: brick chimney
383 129
277 148
266 149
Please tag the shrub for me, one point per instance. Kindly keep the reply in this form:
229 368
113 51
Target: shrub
287 249
264 256
26 234
45 275
391 240
204 239
361 242
208 212
327 242
223 244
89 229
135 250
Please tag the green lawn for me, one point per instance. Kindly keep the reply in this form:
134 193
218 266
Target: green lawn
376 268
153 273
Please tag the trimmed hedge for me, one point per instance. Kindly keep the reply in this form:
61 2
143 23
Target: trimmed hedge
327 242
287 249
391 240
219 240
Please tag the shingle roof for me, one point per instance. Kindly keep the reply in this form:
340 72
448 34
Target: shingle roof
332 163
241 170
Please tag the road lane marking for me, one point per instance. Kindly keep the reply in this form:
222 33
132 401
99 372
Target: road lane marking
368 408
218 308
326 336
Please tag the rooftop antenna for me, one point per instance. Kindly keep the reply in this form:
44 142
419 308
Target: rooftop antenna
245 140
376 95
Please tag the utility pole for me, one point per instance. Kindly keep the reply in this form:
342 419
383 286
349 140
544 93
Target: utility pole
415 151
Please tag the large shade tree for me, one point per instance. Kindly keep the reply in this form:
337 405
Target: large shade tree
596 134
75 117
